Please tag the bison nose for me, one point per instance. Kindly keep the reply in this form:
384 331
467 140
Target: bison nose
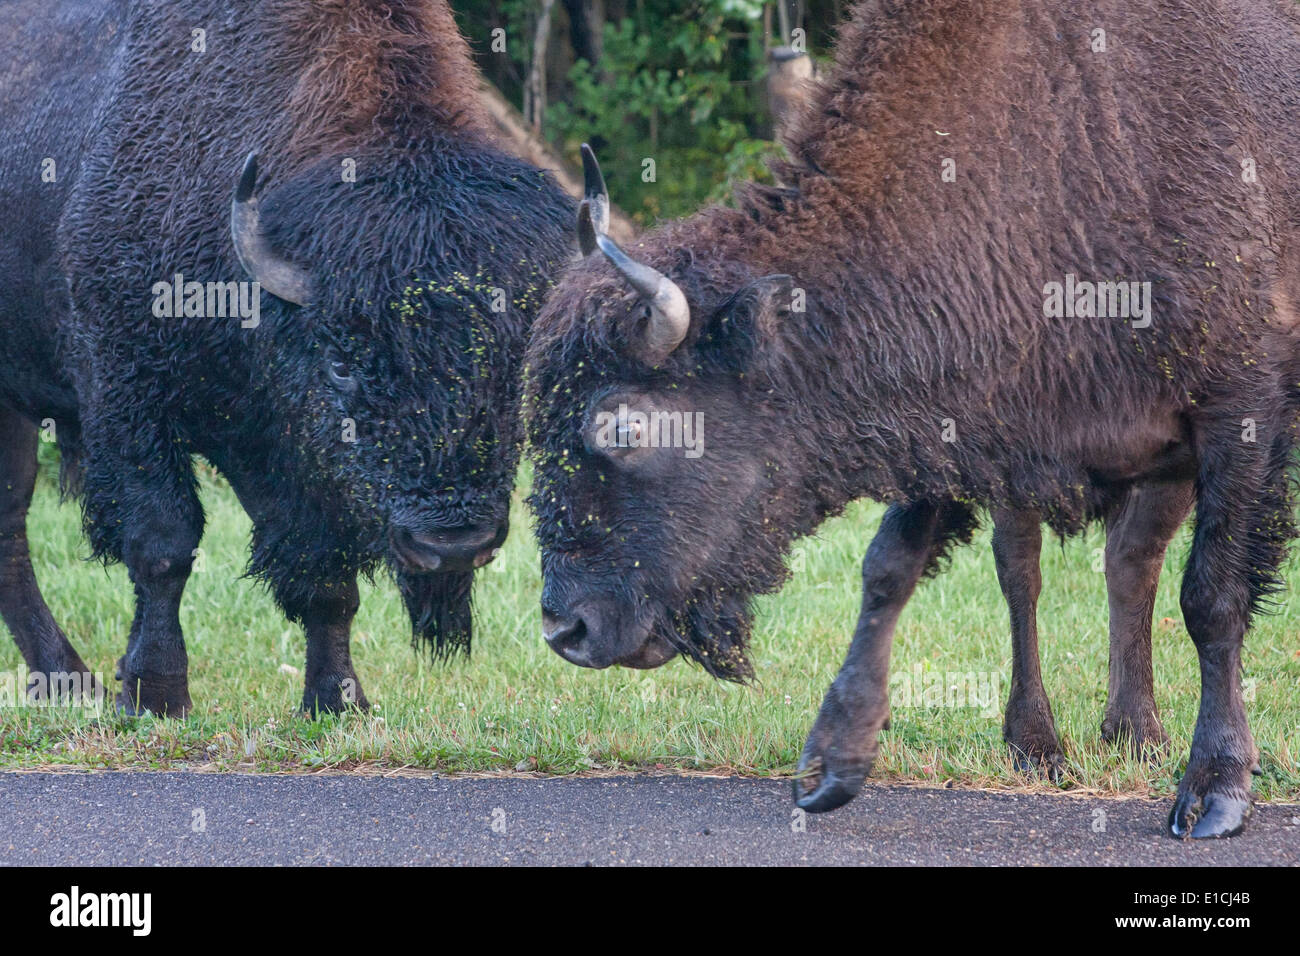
565 634
447 549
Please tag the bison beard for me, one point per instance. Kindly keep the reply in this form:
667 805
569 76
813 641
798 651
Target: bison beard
713 632
440 609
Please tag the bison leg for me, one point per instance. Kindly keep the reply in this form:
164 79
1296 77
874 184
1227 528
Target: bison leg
842 744
142 508
331 683
1028 728
1137 534
1243 520
154 671
52 663
324 601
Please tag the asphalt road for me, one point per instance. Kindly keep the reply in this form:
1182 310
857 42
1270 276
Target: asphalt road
87 819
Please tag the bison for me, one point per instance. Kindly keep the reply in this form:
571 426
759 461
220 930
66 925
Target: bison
925 310
342 339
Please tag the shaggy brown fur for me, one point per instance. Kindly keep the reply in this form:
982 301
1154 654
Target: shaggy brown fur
361 64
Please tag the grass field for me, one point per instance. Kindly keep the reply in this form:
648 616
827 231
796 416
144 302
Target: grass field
516 706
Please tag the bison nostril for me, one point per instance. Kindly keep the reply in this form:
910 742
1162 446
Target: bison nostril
447 549
561 632
413 551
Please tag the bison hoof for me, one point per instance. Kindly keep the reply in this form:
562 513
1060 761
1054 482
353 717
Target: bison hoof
1222 815
1145 736
818 789
169 699
1048 764
334 699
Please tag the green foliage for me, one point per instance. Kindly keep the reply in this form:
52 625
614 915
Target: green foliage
674 105
679 83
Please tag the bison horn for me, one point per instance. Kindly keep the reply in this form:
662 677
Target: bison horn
277 275
586 229
670 315
593 212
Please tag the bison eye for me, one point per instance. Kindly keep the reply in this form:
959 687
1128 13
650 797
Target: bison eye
341 376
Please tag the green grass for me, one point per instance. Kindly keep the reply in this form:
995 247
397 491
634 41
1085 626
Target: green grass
515 705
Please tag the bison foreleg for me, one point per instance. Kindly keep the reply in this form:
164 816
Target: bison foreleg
843 743
141 507
331 683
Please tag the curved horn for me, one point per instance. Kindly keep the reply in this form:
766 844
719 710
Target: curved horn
595 197
277 275
670 314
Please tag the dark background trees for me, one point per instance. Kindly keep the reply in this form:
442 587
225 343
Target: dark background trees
671 92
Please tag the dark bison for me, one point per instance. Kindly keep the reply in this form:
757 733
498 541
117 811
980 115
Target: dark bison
945 304
363 409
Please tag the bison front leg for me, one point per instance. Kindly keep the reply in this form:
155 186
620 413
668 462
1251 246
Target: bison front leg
331 683
843 743
158 553
141 508
312 591
1028 727
1244 519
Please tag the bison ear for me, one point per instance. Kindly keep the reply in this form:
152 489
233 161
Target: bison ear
754 314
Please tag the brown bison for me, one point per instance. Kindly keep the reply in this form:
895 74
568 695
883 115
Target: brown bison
1018 259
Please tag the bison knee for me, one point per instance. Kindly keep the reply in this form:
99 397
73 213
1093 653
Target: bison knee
152 552
1216 619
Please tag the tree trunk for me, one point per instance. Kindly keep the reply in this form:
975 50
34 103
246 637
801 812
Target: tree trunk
586 28
535 101
783 18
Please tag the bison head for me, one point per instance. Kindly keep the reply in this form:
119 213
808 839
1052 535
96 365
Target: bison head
664 489
388 361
